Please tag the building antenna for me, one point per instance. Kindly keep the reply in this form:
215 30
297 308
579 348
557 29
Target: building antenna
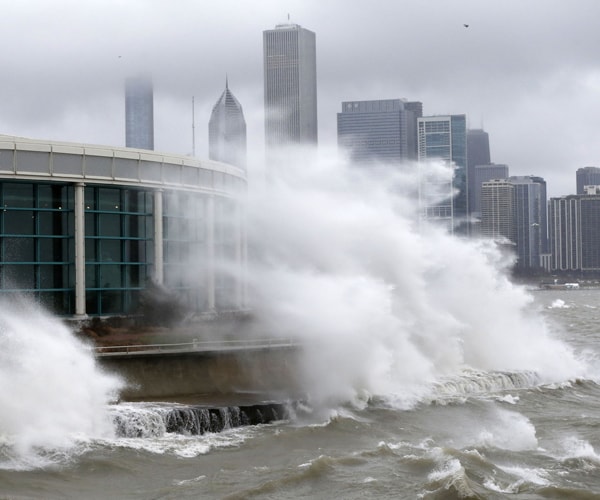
193 129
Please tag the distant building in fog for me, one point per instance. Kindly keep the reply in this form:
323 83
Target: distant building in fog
444 138
139 113
380 131
290 89
587 176
227 131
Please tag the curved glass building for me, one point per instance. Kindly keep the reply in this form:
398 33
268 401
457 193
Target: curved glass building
86 229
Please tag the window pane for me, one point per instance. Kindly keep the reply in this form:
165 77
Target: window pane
54 249
91 274
109 225
20 276
19 222
52 223
110 250
110 276
109 199
17 195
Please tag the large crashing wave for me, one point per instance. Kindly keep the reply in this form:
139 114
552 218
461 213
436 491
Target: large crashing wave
52 393
386 303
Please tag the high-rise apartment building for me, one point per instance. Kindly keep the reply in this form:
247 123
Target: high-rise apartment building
587 176
227 131
139 113
497 210
575 232
290 89
481 174
444 138
515 208
530 220
381 131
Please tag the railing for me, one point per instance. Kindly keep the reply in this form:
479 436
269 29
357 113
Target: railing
197 346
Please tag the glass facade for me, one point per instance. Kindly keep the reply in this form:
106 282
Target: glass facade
37 245
445 138
118 247
83 229
185 246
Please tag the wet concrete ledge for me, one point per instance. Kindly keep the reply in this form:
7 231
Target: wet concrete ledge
231 375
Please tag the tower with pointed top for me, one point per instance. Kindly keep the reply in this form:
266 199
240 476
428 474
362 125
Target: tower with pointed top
227 130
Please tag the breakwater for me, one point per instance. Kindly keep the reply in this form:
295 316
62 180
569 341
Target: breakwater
192 420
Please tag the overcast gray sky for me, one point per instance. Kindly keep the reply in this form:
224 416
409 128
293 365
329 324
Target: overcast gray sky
528 71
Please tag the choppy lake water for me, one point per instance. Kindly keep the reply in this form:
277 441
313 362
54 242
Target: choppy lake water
473 434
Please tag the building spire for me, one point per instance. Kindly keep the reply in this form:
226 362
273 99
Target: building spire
226 82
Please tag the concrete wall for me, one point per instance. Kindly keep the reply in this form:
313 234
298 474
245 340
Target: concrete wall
268 371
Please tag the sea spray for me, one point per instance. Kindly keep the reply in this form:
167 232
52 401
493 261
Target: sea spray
52 392
385 303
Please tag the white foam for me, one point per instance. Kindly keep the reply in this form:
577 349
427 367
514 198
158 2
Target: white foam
53 396
535 476
507 430
558 304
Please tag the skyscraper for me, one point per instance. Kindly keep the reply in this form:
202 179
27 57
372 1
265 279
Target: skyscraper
382 131
481 174
497 210
478 153
587 176
516 209
139 113
290 88
444 138
227 131
575 233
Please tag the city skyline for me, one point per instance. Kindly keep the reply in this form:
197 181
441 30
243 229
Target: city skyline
532 75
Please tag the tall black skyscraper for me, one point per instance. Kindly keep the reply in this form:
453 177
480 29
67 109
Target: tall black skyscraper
139 113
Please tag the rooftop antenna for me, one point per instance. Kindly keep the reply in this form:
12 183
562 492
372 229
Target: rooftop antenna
193 129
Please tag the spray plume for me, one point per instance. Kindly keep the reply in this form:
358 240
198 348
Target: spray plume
384 304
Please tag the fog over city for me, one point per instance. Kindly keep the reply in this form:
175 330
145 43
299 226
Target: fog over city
525 71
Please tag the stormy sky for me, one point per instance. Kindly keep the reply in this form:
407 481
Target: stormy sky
527 71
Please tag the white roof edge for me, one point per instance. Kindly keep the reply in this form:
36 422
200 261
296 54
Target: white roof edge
123 152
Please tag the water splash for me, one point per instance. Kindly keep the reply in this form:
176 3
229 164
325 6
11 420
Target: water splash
386 304
52 393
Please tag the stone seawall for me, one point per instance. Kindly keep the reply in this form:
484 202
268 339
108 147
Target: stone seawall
215 375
